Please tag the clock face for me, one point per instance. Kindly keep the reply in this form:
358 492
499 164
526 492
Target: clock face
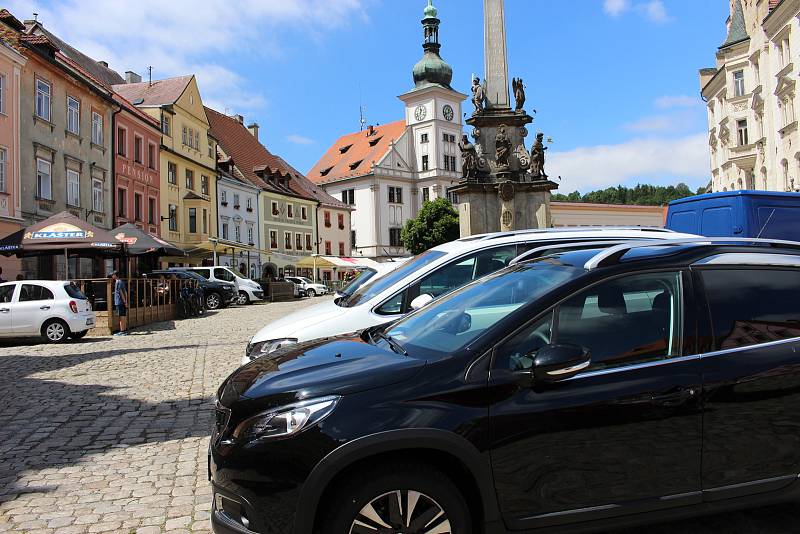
448 113
420 113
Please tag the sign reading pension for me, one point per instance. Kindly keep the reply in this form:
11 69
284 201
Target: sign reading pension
60 231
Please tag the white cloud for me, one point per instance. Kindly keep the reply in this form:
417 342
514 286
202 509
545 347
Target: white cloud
650 160
616 7
655 123
655 11
185 36
678 101
299 139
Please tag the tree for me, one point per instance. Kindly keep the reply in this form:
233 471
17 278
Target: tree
642 194
436 223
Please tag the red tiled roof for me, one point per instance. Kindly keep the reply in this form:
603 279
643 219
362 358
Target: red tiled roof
133 110
77 67
773 4
249 155
159 93
37 40
353 154
11 20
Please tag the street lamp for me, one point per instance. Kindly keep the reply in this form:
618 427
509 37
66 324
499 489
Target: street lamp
315 256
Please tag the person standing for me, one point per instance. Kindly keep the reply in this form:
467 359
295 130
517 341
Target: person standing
120 303
1 276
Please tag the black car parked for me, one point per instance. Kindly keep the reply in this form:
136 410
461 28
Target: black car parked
577 392
217 294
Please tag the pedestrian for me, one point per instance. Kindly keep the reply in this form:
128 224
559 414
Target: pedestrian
20 277
1 276
120 303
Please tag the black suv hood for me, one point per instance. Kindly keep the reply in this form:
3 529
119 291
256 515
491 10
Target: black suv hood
335 366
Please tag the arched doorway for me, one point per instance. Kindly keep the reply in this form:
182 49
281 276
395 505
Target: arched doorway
269 271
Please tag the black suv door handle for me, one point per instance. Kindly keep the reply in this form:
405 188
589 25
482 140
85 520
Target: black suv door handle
675 397
44 307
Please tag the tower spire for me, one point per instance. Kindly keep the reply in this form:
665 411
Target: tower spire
737 32
432 69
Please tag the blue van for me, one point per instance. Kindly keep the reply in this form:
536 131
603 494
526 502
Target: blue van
763 214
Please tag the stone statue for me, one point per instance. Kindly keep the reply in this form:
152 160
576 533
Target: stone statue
503 148
478 95
537 158
519 93
469 159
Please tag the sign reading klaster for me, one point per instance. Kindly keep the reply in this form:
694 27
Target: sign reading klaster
59 231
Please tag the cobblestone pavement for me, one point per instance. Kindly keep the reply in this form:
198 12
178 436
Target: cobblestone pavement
110 434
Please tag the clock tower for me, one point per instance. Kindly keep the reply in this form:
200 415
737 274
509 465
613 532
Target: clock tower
433 116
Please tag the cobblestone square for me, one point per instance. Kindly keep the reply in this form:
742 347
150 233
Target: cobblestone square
110 434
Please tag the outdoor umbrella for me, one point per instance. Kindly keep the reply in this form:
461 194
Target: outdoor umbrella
63 232
139 242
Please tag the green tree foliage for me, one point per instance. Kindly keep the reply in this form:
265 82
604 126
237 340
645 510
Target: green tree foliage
642 195
436 223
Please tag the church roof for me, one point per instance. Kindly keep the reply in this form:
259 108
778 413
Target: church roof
353 154
158 93
737 32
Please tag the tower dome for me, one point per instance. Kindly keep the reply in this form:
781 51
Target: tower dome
432 69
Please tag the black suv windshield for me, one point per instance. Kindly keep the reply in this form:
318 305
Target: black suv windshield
365 293
450 324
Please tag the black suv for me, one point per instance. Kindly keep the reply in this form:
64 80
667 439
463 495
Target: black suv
216 294
581 391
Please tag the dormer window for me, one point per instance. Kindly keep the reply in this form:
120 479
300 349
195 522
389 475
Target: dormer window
355 165
344 149
325 172
375 141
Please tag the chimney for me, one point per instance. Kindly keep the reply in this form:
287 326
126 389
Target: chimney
132 77
239 118
103 63
370 130
254 130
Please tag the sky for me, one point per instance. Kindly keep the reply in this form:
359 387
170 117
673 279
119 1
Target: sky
614 82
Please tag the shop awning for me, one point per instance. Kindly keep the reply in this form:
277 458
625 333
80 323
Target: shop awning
330 262
138 242
63 232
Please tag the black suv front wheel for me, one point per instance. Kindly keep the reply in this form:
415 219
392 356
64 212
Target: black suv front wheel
407 498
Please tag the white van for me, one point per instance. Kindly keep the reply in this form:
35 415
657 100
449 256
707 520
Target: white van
248 290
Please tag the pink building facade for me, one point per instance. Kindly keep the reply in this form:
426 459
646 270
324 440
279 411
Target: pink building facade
137 182
11 64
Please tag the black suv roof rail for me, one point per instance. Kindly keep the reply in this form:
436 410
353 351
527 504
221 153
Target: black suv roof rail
498 235
613 255
546 250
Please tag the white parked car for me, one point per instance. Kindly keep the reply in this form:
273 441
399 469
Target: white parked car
368 275
55 311
248 291
427 276
311 288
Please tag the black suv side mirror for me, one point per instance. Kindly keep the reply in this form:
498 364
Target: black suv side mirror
555 363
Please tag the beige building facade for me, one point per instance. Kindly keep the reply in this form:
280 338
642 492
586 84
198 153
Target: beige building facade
752 100
566 214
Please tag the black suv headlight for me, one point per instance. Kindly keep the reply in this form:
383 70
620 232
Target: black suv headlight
285 421
263 348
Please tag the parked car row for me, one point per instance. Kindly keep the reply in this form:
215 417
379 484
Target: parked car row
591 381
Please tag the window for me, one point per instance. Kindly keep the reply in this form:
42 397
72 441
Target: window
165 125
353 238
452 197
73 115
137 207
341 249
203 185
122 149
395 195
394 237
98 200
173 218
452 162
340 219
275 210
73 188
447 163
328 248
224 230
308 242
425 164
7 293
44 179
304 213
205 221
426 193
138 149
210 149
172 173
3 170
197 140
151 210
738 83
741 130
32 293
97 128
290 211
236 204
249 204
42 99
764 307
2 94
224 274
423 138
273 239
189 179
287 240
298 241
122 202
151 156
327 219
192 220
237 233
250 236
449 138
223 197
349 197
185 136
